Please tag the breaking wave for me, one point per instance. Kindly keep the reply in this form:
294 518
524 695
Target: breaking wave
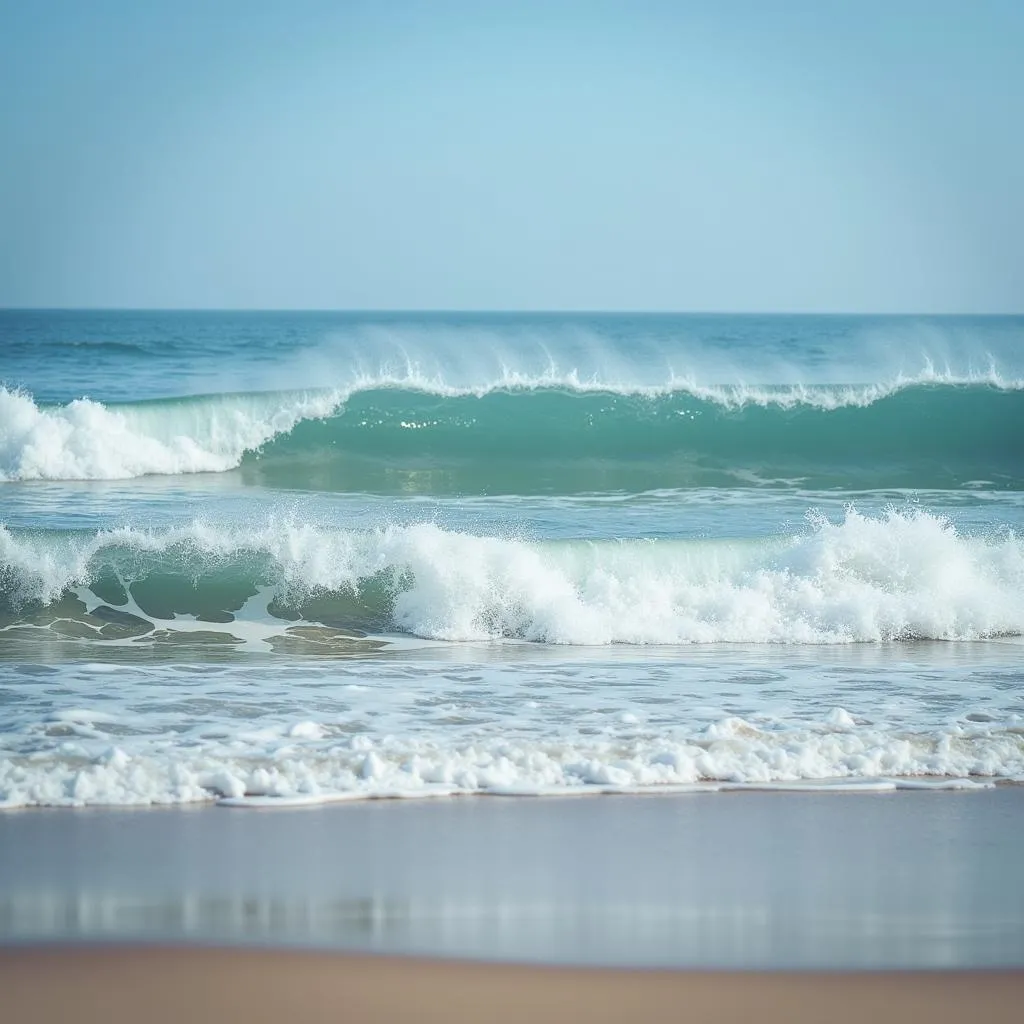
542 433
898 576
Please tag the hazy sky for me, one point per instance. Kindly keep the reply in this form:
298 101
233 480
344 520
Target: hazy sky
721 155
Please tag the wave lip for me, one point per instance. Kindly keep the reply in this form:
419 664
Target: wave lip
898 576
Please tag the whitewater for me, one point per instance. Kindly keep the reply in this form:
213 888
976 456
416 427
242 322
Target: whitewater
902 575
272 559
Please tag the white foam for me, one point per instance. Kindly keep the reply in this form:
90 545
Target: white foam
541 722
942 784
823 786
898 575
248 771
86 440
319 799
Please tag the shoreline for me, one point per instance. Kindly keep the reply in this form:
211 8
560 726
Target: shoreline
114 985
439 793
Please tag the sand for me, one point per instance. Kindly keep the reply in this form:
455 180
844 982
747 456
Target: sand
179 985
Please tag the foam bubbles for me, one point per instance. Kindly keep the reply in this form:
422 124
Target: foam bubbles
896 576
86 440
269 768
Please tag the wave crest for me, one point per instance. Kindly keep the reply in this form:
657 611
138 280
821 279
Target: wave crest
925 433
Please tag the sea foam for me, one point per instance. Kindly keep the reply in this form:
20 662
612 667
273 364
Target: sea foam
86 440
272 764
905 574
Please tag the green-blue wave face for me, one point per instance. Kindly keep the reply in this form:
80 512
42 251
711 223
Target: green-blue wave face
562 442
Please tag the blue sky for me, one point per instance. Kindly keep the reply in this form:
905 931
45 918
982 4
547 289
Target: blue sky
733 156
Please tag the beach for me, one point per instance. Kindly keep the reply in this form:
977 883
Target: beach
493 666
511 512
120 985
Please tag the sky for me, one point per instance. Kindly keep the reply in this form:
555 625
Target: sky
732 156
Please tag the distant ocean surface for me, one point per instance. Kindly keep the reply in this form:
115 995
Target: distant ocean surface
294 557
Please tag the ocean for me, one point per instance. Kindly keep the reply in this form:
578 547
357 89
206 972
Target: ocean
288 558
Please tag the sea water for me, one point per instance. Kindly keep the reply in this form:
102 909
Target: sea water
291 557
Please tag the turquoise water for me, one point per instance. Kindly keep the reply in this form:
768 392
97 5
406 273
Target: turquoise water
303 556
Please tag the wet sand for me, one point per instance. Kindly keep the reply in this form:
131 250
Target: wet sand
737 881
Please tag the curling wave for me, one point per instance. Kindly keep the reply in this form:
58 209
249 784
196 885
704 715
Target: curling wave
536 434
